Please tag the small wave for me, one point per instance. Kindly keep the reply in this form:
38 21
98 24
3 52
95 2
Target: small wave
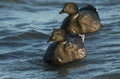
111 3
28 5
18 5
32 34
22 24
108 76
20 55
9 56
15 1
12 44
8 18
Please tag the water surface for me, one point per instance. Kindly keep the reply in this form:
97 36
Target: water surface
25 26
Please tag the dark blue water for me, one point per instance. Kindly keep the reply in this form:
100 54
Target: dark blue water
25 26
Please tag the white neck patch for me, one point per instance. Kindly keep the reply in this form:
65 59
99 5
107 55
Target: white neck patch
64 42
76 16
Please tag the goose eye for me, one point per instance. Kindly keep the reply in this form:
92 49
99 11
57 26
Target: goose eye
70 6
58 33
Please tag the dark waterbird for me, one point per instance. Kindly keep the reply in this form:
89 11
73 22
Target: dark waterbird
65 49
83 21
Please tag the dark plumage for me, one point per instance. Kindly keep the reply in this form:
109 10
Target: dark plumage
64 49
85 20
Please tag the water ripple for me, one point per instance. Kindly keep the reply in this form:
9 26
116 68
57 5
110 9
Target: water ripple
27 35
26 26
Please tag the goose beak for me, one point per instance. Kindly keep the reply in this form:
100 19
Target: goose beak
62 11
52 38
49 40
